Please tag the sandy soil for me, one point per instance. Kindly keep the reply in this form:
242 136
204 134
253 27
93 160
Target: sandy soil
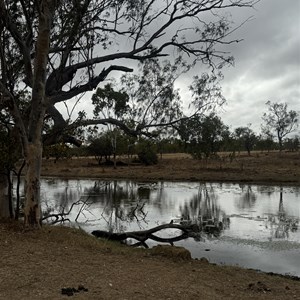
43 264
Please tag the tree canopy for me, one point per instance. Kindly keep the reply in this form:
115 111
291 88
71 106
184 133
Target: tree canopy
279 120
58 50
85 37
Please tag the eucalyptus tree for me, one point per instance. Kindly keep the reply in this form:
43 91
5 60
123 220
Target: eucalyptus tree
143 102
279 120
203 134
59 50
111 105
246 137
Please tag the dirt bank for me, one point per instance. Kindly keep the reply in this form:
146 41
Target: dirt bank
42 264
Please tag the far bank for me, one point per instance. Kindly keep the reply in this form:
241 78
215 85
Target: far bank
259 168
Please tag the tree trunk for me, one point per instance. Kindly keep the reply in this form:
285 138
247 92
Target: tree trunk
17 209
33 147
279 141
32 210
4 197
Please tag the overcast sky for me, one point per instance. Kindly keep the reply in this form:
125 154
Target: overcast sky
267 63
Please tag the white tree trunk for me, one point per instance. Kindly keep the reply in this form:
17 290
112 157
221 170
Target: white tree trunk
32 210
33 147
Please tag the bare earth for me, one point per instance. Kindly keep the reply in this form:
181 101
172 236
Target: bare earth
39 264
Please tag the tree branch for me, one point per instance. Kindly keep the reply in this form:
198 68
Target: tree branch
57 81
25 51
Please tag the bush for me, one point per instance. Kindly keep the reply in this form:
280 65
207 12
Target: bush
148 156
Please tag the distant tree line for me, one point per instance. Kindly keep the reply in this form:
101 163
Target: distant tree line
201 136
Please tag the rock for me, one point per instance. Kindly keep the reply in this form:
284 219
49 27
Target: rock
69 291
204 260
259 287
171 252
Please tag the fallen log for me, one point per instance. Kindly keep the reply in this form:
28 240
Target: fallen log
142 236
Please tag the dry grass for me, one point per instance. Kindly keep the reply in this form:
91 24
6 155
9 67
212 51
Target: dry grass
272 168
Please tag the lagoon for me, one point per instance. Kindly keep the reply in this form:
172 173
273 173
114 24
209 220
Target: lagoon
260 224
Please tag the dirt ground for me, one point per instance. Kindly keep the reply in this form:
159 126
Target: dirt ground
56 261
43 264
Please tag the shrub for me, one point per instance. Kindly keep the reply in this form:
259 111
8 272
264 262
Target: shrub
148 156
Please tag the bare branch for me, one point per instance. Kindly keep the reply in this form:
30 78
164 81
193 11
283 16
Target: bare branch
55 84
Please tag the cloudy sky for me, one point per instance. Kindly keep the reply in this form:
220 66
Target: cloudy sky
267 63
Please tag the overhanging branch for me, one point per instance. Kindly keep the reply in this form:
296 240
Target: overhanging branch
54 85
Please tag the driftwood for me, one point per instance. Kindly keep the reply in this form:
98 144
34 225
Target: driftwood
61 217
142 236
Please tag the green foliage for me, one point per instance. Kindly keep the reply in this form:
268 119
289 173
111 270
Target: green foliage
169 145
147 154
110 102
246 138
110 143
57 151
153 97
266 142
279 120
206 92
9 150
292 144
101 147
202 136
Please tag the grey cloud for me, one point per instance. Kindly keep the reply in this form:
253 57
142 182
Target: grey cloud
267 63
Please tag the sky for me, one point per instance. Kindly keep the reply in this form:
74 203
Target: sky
267 63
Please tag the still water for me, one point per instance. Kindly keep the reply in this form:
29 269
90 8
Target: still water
259 224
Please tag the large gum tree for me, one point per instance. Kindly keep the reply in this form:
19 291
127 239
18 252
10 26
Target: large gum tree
57 50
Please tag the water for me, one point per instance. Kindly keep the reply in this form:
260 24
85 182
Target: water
259 223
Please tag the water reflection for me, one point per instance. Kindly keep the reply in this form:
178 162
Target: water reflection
121 203
281 224
248 197
233 220
203 211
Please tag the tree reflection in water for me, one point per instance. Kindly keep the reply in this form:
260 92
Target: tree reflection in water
120 203
281 224
248 197
203 212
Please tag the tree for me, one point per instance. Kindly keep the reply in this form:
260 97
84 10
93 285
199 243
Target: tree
113 106
59 50
204 134
266 141
146 151
280 120
101 147
292 144
246 138
212 133
9 155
